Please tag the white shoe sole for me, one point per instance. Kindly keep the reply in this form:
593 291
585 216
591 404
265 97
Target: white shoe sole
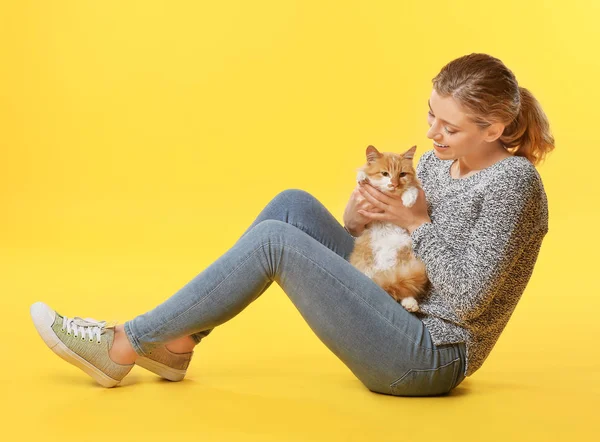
43 318
172 374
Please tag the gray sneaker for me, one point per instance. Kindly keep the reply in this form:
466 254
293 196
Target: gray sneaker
165 363
83 342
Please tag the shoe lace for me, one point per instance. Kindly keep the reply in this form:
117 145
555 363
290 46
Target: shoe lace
84 326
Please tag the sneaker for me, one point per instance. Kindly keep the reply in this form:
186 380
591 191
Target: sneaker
165 363
83 342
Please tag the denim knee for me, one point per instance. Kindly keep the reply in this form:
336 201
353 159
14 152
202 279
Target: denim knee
273 228
295 196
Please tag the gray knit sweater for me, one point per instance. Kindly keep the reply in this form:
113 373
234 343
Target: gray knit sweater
479 250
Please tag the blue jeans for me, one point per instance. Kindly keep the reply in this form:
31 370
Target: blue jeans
296 242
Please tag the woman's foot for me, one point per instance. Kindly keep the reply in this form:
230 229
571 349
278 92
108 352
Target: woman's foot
84 342
184 344
170 361
122 351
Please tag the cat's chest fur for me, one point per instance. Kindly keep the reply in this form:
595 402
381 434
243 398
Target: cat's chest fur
385 240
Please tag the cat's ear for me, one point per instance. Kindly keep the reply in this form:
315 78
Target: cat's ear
410 153
372 154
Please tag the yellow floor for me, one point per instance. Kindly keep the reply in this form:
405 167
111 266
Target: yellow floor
264 376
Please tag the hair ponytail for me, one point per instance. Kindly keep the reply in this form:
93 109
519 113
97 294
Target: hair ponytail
528 135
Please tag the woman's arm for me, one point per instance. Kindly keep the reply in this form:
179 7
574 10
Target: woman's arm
509 218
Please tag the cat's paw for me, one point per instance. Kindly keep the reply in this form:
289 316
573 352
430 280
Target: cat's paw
362 177
410 304
409 197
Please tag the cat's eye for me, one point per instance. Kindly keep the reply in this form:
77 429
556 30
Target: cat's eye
402 174
384 173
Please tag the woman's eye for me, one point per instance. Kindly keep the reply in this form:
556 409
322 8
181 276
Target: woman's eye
447 131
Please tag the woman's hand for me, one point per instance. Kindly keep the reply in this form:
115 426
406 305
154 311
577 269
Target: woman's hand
354 220
392 210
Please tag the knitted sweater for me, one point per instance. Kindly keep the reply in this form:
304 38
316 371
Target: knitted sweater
479 250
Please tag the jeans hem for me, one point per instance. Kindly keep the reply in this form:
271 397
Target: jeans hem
135 343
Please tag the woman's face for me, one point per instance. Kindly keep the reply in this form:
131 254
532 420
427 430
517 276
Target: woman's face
450 126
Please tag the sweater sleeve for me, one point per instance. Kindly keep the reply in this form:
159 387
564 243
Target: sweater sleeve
420 169
467 279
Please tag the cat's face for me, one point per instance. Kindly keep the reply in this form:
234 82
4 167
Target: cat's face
388 171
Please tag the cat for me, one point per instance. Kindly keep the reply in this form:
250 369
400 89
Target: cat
384 251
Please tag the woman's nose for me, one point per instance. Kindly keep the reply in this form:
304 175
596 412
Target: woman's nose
431 133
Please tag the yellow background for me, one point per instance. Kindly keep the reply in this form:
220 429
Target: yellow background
140 139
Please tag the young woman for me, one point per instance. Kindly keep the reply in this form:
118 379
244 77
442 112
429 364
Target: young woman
478 227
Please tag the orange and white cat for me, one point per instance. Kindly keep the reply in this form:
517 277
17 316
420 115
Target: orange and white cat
384 250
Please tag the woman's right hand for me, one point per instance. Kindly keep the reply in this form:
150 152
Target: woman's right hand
353 220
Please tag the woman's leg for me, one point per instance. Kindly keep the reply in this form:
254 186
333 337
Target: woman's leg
302 210
294 206
386 347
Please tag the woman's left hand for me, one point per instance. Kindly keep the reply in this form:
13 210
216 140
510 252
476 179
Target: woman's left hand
394 211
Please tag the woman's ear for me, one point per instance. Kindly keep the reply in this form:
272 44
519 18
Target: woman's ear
494 131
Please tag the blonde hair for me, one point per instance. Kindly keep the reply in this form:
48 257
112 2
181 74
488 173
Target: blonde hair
489 91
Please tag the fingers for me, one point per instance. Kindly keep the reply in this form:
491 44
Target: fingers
380 195
376 202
